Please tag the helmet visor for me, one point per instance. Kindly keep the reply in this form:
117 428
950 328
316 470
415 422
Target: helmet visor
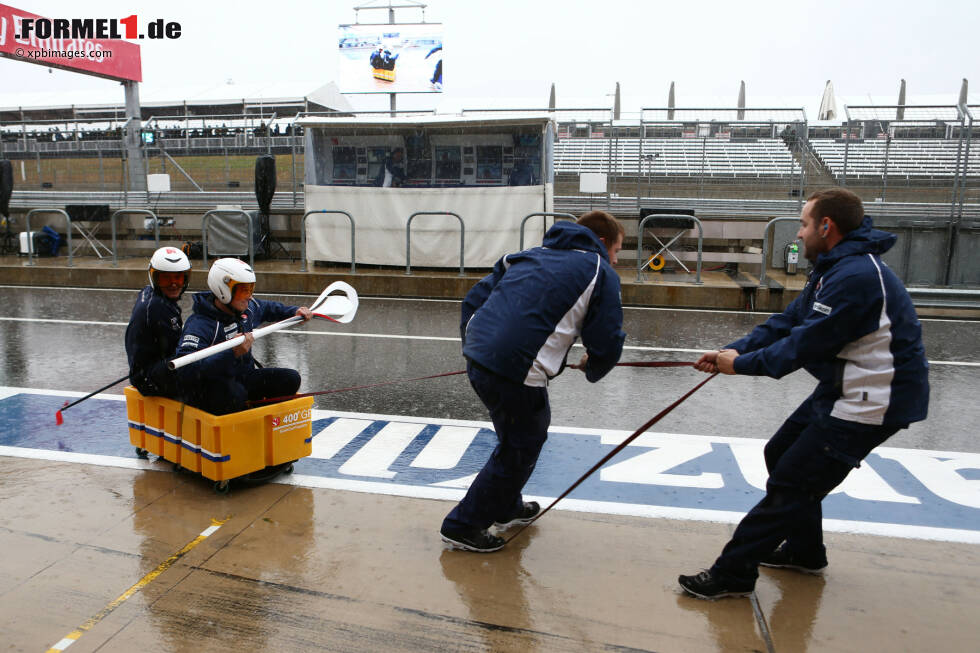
171 278
241 290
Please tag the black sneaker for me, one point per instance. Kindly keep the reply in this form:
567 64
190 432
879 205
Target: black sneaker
706 586
472 539
527 513
782 558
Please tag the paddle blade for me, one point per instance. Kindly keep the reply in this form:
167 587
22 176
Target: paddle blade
58 418
338 301
336 306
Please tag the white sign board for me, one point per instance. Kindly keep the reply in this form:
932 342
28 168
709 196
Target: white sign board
592 182
158 183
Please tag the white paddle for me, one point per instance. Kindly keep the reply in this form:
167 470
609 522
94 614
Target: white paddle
339 307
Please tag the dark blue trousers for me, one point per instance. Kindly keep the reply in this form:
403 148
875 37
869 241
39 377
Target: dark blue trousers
521 416
223 396
809 456
156 382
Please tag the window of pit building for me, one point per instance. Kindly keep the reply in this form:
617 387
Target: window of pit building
448 167
344 165
489 163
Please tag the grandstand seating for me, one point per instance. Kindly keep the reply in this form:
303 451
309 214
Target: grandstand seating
926 160
767 157
907 158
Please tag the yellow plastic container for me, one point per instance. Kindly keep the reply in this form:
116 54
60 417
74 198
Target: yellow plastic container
220 447
385 75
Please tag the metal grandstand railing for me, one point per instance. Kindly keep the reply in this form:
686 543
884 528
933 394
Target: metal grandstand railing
599 116
621 206
654 147
201 152
754 144
707 157
872 152
741 115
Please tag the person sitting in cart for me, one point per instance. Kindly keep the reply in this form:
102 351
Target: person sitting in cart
155 324
225 382
383 59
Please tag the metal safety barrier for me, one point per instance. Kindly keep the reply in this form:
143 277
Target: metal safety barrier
641 263
30 239
408 238
112 225
912 251
563 216
302 237
953 298
624 206
765 245
248 225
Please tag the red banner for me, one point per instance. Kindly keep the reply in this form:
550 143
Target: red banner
69 44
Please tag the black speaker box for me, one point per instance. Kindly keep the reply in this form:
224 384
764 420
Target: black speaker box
679 223
6 186
88 212
265 181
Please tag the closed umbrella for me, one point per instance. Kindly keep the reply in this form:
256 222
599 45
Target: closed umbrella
828 104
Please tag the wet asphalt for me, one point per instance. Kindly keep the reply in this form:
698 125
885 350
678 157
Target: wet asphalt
72 339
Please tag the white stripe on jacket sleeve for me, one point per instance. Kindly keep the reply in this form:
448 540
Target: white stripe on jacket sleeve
869 368
549 358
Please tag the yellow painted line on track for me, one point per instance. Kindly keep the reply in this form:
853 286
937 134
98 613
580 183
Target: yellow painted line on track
73 636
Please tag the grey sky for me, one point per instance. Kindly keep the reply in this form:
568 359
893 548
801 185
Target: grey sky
508 52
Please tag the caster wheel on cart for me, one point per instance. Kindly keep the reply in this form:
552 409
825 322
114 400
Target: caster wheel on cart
222 487
288 469
177 468
142 453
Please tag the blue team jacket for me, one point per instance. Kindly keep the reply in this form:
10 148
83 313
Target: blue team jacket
151 339
209 326
853 328
520 320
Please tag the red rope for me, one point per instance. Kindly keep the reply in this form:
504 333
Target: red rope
273 400
612 453
656 364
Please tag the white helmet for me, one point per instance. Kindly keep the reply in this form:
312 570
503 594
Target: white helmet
168 259
225 274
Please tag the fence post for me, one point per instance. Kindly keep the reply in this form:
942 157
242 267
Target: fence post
408 238
30 240
302 237
564 216
639 244
205 221
765 246
112 224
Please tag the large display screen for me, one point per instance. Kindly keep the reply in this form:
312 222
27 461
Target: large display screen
390 58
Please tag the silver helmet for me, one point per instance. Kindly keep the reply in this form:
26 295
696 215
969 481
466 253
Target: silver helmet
225 274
